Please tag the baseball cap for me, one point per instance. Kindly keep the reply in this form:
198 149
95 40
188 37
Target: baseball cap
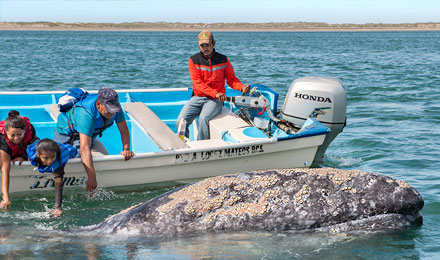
205 36
110 99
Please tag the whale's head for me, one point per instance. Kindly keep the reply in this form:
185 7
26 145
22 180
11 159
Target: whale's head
342 200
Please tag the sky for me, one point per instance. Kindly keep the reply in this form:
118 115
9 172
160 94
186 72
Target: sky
217 11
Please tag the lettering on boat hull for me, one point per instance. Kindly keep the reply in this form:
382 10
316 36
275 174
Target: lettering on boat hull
218 154
43 182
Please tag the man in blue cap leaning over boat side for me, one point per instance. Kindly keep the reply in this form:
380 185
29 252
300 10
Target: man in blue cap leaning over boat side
208 70
88 119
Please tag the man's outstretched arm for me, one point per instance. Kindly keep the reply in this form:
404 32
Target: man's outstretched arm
87 161
125 138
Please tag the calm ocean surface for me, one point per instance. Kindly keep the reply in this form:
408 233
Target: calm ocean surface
393 127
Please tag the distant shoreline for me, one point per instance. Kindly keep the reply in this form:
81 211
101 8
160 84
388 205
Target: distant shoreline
215 30
257 27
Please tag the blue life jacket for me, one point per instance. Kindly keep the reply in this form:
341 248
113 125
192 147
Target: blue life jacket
89 104
67 152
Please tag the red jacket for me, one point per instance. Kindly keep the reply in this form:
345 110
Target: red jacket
19 149
209 75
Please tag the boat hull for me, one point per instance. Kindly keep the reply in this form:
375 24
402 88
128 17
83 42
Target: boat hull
185 165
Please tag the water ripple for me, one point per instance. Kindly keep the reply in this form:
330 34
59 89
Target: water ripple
392 83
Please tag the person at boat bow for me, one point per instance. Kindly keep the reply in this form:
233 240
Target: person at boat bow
16 133
87 120
208 70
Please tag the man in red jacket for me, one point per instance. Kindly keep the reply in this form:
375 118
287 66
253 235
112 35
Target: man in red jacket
209 70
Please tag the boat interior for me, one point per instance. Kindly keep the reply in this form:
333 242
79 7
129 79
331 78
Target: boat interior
151 118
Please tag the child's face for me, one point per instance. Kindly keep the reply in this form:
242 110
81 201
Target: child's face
47 157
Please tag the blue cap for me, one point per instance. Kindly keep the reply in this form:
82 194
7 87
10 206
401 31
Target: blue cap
109 98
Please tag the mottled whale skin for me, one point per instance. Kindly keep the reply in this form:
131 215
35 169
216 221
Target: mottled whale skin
317 200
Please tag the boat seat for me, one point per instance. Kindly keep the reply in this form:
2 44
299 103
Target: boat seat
54 112
155 128
225 121
234 126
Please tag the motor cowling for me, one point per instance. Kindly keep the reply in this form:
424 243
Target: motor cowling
322 97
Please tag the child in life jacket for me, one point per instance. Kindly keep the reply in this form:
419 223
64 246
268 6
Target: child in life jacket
16 133
50 156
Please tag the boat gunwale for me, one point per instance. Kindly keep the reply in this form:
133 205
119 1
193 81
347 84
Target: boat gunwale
114 157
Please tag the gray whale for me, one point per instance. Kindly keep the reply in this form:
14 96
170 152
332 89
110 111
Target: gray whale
317 200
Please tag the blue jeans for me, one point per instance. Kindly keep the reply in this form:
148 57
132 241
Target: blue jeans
205 108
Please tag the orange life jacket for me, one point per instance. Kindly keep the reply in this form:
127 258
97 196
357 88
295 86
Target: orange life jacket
209 74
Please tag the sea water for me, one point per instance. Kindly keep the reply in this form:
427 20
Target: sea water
393 119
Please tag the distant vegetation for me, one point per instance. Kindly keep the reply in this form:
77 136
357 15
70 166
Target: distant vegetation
219 26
